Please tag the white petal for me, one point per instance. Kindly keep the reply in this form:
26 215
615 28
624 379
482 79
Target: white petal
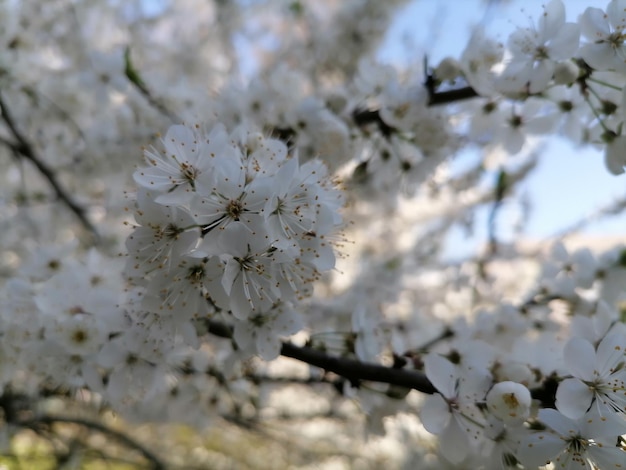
541 76
594 25
610 354
573 398
565 45
267 345
558 422
551 22
616 11
442 373
602 422
579 356
538 449
435 414
231 271
615 155
454 443
607 456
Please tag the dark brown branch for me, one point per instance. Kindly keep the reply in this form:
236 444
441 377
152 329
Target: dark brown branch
135 79
363 117
23 147
353 370
451 96
356 371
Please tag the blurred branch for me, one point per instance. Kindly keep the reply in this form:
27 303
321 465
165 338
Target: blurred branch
44 420
133 76
363 117
23 147
611 209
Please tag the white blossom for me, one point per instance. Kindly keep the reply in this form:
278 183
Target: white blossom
604 31
535 52
599 378
588 442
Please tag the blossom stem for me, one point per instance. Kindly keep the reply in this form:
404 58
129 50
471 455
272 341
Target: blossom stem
594 110
603 83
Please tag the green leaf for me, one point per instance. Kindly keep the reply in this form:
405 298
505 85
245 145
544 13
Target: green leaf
501 185
131 72
296 8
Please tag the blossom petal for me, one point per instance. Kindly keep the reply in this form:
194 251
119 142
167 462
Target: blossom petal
594 24
435 414
573 398
454 443
539 449
579 356
610 354
442 374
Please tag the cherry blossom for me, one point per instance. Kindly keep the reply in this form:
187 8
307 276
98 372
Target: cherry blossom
568 443
452 413
535 52
599 378
606 49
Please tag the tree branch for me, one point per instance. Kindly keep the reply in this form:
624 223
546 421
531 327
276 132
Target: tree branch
363 117
437 98
24 148
34 423
353 370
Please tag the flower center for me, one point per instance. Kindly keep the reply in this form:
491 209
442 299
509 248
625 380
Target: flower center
234 209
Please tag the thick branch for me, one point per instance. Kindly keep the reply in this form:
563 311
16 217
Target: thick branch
450 96
353 370
25 149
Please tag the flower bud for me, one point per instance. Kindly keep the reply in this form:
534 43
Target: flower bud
509 402
448 69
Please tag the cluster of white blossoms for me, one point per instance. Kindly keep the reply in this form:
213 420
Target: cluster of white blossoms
231 223
500 422
545 394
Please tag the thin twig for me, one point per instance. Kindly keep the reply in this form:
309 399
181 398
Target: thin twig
23 147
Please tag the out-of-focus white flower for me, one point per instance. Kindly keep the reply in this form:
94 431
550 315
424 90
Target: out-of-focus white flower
615 153
535 51
366 324
595 327
479 59
261 333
